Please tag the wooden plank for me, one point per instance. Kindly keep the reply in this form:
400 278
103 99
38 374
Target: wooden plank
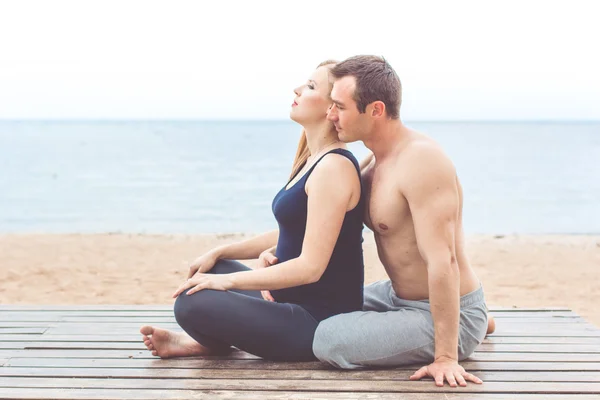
157 394
133 337
166 307
21 331
108 313
99 330
71 320
555 329
534 314
184 363
512 323
25 324
546 333
546 330
136 337
75 328
197 363
425 386
519 310
539 348
169 312
139 345
96 353
75 345
90 307
123 353
134 329
31 318
171 319
535 357
540 322
237 374
535 339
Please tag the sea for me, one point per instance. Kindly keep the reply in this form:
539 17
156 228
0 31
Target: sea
196 177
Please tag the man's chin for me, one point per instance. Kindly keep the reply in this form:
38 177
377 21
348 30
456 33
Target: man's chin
341 136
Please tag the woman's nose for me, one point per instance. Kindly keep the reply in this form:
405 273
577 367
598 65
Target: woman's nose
297 90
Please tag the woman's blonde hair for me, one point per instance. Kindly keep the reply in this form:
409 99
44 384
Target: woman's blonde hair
303 152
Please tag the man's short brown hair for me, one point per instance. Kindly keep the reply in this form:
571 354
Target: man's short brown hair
376 80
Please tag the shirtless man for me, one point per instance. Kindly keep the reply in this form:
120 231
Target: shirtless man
432 309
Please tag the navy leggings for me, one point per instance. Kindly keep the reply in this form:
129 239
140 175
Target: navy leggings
241 318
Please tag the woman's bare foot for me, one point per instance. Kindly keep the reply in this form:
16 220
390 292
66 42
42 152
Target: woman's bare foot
491 325
167 344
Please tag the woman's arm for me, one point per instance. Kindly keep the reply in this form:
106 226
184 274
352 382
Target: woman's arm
248 249
333 188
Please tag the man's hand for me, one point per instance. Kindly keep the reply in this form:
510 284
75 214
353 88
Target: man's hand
266 259
205 281
446 369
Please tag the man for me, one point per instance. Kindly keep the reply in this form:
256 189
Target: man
432 309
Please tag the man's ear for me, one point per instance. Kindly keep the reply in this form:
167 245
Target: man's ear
377 109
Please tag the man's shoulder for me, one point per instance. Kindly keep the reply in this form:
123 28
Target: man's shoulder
423 164
424 154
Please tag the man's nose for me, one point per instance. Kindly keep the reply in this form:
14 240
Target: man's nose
332 114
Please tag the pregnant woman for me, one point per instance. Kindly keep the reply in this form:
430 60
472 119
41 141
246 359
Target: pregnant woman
318 248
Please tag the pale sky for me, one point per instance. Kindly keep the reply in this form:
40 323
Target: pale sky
457 60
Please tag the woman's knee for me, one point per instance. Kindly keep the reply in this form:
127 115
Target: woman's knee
182 308
228 267
188 309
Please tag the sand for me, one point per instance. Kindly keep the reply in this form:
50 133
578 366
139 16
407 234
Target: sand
516 270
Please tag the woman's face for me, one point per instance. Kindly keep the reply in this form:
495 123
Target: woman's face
312 99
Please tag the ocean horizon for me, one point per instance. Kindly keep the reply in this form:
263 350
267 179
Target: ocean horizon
201 176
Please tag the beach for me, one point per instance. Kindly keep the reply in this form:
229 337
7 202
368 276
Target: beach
44 269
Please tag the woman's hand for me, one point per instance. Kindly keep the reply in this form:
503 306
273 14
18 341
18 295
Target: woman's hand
203 264
266 259
205 281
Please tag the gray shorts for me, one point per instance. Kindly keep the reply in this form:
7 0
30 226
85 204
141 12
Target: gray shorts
391 332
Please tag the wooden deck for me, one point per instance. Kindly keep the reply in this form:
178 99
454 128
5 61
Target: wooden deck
95 352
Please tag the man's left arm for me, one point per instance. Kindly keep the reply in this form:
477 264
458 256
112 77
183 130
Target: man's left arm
432 195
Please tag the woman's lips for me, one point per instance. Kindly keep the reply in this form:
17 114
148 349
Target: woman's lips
294 104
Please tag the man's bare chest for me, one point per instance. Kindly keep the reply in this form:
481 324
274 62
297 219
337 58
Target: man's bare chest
386 209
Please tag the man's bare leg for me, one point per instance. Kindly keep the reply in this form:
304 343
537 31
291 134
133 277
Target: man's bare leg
167 344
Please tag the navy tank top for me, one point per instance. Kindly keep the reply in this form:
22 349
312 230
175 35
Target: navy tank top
340 289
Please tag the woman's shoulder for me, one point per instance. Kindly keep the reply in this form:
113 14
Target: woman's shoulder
337 164
340 154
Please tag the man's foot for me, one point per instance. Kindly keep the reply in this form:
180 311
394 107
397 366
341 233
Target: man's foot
491 325
167 344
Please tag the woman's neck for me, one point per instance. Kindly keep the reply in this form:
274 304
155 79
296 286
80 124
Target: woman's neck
321 138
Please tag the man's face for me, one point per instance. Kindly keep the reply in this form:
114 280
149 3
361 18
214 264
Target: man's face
349 122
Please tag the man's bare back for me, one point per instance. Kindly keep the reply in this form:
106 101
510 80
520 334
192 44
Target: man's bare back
388 215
